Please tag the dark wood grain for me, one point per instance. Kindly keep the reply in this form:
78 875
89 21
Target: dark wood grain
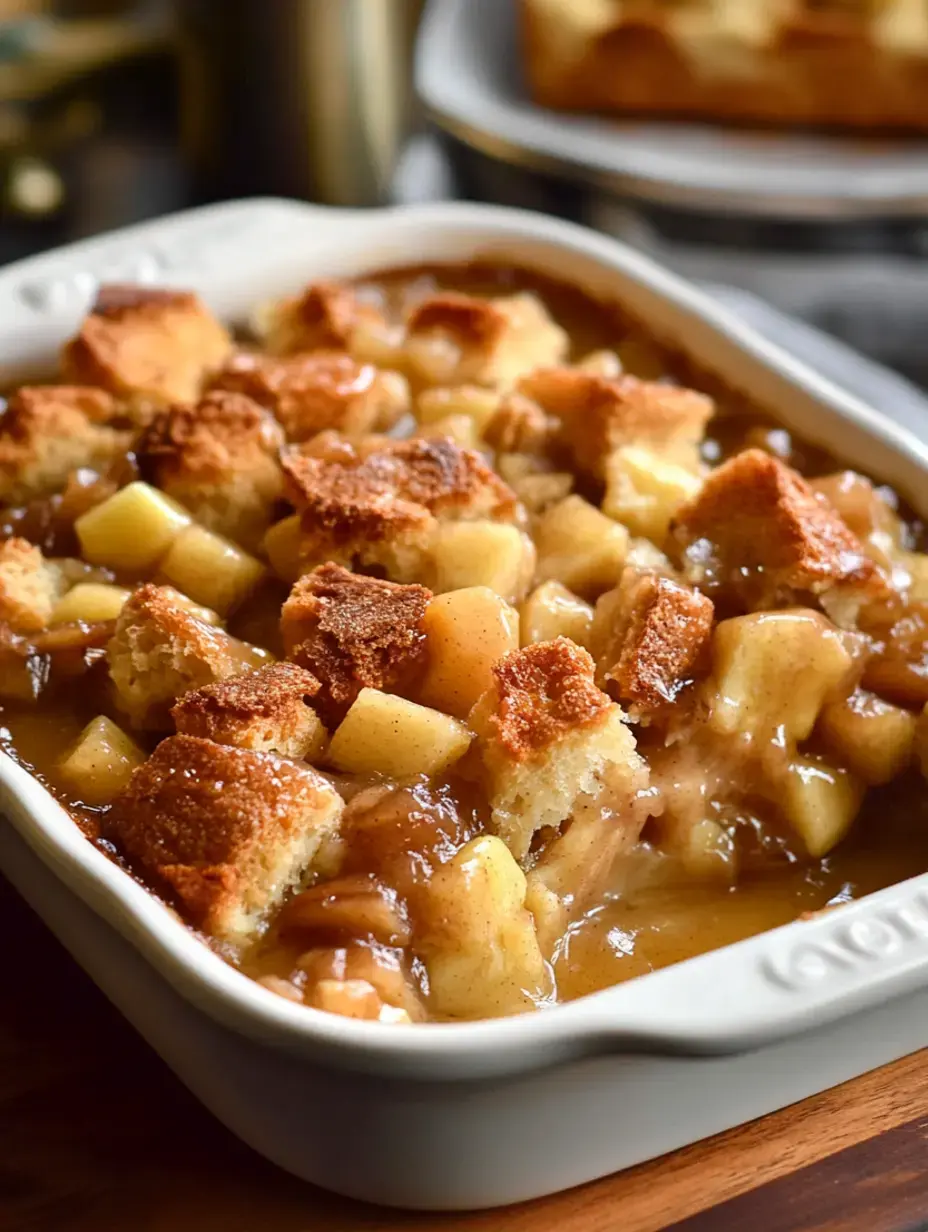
97 1136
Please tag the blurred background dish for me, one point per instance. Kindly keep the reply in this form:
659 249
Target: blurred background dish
112 111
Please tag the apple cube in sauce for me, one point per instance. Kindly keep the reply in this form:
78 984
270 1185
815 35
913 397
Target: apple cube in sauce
385 734
872 738
551 611
774 671
211 570
132 530
491 554
480 947
460 428
101 762
580 547
820 802
644 491
467 632
90 602
283 547
477 404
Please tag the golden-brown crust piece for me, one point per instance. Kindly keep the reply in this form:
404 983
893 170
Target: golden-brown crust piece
545 691
382 509
555 750
266 710
758 529
648 637
160 651
520 426
453 338
147 344
324 316
311 392
598 415
355 632
219 458
227 830
49 431
861 67
29 586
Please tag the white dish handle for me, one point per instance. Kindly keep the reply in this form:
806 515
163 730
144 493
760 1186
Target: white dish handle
854 957
234 246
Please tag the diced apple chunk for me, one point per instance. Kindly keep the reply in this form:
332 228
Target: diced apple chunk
384 734
132 530
211 570
873 738
481 950
89 602
551 611
460 428
282 547
644 491
479 405
820 802
101 763
467 631
491 554
774 671
580 547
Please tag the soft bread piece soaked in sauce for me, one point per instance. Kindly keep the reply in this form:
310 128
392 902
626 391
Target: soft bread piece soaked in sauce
228 830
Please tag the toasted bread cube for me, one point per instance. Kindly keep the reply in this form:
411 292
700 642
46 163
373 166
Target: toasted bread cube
551 611
160 651
212 570
283 547
324 315
773 672
266 710
354 632
644 491
312 392
100 764
219 459
648 637
382 509
467 632
759 529
89 602
599 416
553 745
477 404
132 530
481 952
520 426
149 344
206 614
580 547
820 802
268 820
457 339
49 431
384 734
30 585
491 554
872 738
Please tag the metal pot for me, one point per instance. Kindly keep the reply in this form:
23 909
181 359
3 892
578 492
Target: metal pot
306 98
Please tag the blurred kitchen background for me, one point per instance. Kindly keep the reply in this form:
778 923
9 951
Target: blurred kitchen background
113 111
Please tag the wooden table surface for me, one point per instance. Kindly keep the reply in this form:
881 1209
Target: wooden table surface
96 1135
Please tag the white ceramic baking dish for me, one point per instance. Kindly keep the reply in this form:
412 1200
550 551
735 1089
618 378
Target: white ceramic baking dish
470 1115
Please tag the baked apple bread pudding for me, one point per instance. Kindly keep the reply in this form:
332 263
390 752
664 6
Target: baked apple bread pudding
858 64
444 647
